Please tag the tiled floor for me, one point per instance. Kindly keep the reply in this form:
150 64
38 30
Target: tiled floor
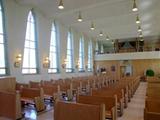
134 110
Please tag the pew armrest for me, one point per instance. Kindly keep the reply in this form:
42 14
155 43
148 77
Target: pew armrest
114 113
18 106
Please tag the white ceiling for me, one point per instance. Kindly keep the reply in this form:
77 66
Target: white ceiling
114 17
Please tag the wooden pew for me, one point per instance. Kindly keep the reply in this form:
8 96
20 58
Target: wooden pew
76 111
8 84
7 96
65 91
33 96
152 110
51 92
19 86
109 102
10 106
33 84
119 94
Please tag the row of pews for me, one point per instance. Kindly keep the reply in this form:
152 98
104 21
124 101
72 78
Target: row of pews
14 95
96 96
104 101
152 101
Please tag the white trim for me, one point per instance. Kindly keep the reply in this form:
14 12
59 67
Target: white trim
128 56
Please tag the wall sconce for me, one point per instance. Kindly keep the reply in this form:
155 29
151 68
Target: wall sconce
46 63
18 61
78 64
64 63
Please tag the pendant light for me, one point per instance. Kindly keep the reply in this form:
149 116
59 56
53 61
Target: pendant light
137 20
134 9
141 35
141 39
107 38
61 6
80 17
139 29
101 33
92 26
112 42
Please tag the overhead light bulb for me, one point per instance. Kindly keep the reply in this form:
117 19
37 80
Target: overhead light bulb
141 35
134 9
137 20
112 42
141 39
92 26
107 38
61 6
101 33
80 17
139 29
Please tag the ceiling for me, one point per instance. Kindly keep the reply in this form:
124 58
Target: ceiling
114 17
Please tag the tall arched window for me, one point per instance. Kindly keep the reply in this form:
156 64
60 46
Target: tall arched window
3 63
81 54
69 65
53 51
90 59
30 48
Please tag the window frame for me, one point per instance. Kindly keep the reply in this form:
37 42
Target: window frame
70 70
5 45
57 47
36 46
90 57
82 57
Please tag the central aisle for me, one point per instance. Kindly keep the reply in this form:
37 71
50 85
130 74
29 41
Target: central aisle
135 108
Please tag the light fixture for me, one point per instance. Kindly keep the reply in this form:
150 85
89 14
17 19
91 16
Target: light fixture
141 39
101 33
137 20
78 64
134 9
18 61
61 6
64 63
107 38
92 26
139 29
46 62
80 17
141 35
112 42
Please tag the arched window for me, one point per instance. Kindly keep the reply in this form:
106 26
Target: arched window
90 57
30 48
53 51
69 65
3 61
81 54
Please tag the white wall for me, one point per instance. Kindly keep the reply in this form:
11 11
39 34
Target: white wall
128 56
16 18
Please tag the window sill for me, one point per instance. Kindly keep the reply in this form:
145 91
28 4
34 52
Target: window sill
70 72
30 74
82 71
54 73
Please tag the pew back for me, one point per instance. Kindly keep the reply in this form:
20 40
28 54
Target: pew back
76 111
